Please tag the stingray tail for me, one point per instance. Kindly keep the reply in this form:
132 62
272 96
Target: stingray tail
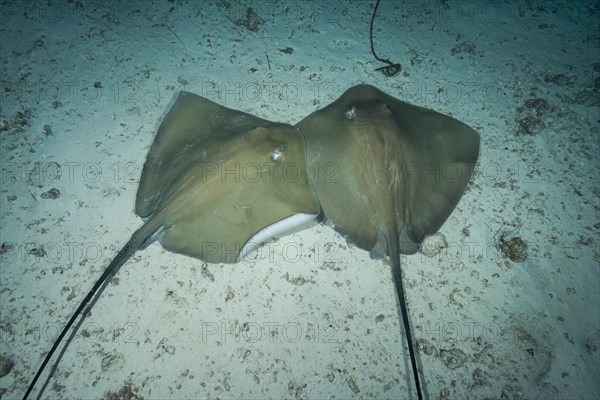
394 251
88 302
397 274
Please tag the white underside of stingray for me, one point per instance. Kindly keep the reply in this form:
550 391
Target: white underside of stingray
279 228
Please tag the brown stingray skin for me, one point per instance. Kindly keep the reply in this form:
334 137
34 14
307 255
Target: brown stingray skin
387 173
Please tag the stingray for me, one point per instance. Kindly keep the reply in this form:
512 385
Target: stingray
216 183
387 174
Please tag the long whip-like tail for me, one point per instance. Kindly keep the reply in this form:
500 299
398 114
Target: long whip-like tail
397 274
88 302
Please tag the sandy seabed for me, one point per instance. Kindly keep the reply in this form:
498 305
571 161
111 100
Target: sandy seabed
84 87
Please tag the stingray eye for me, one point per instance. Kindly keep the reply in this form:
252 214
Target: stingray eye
351 113
388 110
277 153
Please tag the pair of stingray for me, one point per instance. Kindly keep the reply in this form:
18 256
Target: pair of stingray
218 182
